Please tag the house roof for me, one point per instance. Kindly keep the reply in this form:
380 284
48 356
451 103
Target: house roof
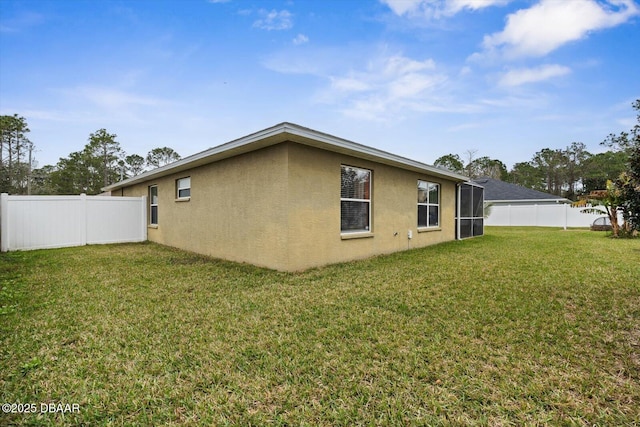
500 191
288 132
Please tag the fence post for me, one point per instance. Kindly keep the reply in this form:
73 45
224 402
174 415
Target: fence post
144 218
83 226
4 222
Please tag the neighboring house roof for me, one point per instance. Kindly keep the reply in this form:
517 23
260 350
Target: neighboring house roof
500 191
288 132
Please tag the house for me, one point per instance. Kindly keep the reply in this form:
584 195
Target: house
514 205
291 198
500 193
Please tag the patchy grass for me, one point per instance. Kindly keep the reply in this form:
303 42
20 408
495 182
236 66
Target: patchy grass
519 327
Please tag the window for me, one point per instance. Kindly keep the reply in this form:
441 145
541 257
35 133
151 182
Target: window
183 188
428 204
355 200
153 205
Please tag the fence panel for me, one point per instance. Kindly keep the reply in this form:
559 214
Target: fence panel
39 222
541 215
116 219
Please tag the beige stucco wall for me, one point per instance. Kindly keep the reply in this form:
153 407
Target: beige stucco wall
237 209
279 207
314 210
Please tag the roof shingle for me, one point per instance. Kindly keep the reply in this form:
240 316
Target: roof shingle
496 190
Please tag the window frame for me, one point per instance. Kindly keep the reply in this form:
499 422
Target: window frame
153 205
429 204
368 201
179 188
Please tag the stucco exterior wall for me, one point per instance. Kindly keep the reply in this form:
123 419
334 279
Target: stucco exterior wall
279 207
314 210
237 209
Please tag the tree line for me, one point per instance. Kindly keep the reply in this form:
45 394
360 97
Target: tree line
569 172
101 162
612 177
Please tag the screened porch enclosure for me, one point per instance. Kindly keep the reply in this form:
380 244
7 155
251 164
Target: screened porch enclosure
470 211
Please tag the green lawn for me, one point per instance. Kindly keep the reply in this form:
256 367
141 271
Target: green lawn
519 327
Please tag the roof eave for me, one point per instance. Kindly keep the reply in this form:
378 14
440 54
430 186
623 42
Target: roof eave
281 133
528 200
343 146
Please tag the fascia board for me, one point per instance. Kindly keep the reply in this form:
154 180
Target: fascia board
288 132
343 146
233 148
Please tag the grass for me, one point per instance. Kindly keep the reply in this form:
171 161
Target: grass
519 327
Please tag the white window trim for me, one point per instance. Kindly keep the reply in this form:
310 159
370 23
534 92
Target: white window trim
152 205
363 233
179 186
430 227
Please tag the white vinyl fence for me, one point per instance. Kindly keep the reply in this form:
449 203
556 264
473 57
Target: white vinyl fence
38 222
558 215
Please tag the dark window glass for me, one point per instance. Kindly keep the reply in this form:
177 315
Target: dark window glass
433 216
154 214
354 216
422 216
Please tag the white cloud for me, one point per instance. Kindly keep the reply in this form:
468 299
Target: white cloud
388 85
520 76
465 71
321 61
349 84
411 85
300 39
455 6
549 24
399 65
274 20
400 7
438 8
109 98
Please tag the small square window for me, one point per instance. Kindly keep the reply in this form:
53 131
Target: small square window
183 188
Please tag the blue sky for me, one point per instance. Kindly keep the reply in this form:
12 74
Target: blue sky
419 78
